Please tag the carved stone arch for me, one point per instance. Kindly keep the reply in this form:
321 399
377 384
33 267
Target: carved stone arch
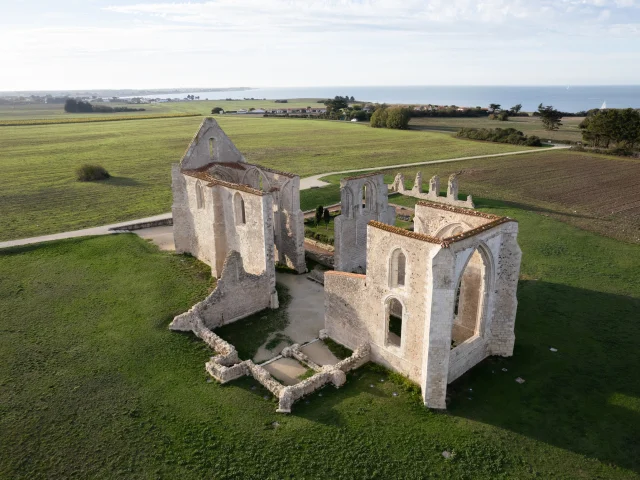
395 316
255 178
347 202
474 286
221 174
397 265
370 196
452 229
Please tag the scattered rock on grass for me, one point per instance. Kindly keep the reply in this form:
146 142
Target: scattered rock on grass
520 380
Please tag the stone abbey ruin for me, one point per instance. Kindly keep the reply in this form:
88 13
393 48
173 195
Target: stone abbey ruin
429 303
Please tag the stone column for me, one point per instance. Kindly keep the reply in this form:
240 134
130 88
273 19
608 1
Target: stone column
439 317
506 286
452 191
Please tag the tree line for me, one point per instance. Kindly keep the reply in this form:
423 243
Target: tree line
612 128
71 105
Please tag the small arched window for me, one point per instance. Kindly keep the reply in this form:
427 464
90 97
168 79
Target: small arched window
199 195
238 203
397 269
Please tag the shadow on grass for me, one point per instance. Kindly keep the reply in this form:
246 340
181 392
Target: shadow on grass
498 204
586 396
122 182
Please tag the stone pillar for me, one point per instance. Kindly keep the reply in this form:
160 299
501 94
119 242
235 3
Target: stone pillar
506 301
434 186
441 293
417 185
452 190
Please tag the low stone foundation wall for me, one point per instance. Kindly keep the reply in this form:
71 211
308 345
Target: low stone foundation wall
227 366
335 374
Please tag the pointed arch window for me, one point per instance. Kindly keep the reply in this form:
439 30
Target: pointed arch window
238 203
397 269
199 195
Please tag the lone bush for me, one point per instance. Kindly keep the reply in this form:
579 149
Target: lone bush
91 173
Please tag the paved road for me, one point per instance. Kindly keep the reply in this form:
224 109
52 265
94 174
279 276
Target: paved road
103 230
305 183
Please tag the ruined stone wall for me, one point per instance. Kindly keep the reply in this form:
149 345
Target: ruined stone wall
433 194
210 144
357 306
237 295
288 219
363 199
441 221
192 225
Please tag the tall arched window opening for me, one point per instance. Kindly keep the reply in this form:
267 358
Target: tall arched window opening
199 195
470 300
394 322
238 203
397 269
212 150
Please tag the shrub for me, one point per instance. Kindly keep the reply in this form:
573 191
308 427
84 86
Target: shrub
398 118
91 173
500 135
379 118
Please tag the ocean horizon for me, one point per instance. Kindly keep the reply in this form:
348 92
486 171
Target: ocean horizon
564 98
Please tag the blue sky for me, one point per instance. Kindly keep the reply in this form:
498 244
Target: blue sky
71 44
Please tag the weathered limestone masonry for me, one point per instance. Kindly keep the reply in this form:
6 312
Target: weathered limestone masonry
204 219
434 190
363 198
227 366
238 294
434 302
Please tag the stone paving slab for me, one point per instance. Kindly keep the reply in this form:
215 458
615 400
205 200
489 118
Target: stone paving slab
319 353
286 370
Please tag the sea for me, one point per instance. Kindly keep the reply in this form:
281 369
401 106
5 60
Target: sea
566 98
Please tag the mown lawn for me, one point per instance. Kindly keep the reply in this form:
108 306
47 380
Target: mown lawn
93 385
569 131
39 193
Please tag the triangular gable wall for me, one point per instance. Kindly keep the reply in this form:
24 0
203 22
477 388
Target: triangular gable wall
210 145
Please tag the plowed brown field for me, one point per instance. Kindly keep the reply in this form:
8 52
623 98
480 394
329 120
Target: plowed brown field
594 192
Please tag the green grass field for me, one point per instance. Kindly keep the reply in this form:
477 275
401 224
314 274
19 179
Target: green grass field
94 385
204 107
39 193
569 131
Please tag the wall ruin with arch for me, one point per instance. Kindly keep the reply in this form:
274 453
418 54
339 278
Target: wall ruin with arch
199 214
456 301
363 198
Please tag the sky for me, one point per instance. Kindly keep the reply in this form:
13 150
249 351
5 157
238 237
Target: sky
82 44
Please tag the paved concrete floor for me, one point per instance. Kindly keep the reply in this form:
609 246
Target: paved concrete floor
319 353
306 313
287 370
161 236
